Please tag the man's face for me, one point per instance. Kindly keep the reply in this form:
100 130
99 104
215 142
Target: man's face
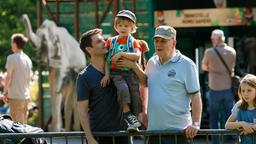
13 46
164 48
98 45
215 40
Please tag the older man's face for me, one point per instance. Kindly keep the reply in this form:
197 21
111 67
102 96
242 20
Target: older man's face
164 48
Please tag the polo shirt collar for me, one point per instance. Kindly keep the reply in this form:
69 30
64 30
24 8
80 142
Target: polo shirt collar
174 59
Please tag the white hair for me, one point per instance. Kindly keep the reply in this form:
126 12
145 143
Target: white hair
217 33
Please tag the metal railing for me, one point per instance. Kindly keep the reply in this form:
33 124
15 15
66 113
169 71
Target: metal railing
203 136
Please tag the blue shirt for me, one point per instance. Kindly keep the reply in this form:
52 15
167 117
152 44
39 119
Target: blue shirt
169 87
104 111
250 117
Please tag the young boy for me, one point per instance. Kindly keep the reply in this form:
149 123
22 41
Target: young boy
124 46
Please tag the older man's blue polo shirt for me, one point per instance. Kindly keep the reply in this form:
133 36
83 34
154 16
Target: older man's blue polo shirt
169 87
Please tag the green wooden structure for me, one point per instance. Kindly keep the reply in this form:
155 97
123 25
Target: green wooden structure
79 16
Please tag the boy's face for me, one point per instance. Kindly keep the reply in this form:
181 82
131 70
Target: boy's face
124 27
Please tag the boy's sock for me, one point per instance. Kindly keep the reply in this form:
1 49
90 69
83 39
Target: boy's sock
126 108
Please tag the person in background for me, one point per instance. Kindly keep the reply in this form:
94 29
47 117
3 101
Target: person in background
19 72
221 97
243 116
2 82
3 106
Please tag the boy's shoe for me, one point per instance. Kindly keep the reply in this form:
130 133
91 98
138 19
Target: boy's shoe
132 129
132 122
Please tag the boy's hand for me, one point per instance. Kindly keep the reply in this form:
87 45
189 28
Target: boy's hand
105 81
116 57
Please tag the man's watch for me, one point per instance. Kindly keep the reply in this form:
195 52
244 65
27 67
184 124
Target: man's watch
196 125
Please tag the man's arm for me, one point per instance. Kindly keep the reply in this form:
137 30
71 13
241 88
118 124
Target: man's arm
82 107
196 107
141 74
122 63
205 65
191 131
105 80
144 99
8 81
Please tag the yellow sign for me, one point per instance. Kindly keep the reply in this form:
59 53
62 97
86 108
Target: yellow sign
206 17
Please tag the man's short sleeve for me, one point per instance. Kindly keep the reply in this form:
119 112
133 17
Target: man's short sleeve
205 60
82 87
9 63
191 78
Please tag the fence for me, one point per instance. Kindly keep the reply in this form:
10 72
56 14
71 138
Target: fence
78 137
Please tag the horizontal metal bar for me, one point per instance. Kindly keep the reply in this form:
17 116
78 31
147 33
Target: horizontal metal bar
120 133
50 136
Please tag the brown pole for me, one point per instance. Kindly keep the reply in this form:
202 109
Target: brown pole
76 19
40 87
96 13
57 12
115 9
105 12
134 6
47 9
38 13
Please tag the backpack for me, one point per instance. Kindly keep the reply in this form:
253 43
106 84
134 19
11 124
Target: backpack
130 41
9 126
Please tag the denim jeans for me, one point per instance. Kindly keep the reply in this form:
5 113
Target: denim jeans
220 103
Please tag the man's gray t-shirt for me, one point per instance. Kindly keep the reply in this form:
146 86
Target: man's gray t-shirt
219 77
104 111
21 66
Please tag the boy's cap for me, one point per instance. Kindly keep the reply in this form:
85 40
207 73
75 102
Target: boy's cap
128 14
165 32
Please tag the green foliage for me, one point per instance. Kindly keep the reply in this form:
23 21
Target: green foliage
10 22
